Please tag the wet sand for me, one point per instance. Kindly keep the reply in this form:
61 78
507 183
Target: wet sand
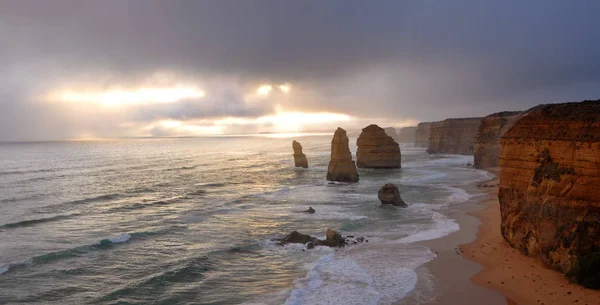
451 271
476 266
520 278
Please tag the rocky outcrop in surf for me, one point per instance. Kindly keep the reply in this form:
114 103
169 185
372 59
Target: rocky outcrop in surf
332 239
487 141
390 194
422 134
453 136
549 197
376 149
299 156
341 167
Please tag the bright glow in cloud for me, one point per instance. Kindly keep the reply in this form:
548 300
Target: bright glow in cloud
285 88
264 89
296 121
280 122
128 97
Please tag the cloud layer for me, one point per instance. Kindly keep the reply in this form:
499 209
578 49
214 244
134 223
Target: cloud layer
390 61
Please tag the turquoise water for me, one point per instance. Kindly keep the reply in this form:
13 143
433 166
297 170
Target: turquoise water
191 221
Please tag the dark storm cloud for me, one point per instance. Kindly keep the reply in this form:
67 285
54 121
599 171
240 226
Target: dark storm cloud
407 59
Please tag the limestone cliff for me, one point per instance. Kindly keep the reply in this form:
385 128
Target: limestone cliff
407 134
487 141
341 167
549 194
402 135
422 134
299 156
376 149
453 136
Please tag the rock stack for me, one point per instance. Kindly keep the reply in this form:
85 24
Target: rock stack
376 149
341 167
549 195
299 157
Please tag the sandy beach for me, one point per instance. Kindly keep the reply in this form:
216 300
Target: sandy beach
476 265
521 279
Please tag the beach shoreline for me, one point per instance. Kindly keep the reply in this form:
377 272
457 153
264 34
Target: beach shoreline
521 279
451 271
475 264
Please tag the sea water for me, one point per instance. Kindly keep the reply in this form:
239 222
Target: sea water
193 221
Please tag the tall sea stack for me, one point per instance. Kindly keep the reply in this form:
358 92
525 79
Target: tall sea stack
299 156
453 136
422 134
549 195
376 149
341 167
487 141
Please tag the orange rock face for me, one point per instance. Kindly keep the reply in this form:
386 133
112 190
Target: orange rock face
550 184
422 134
487 141
299 156
453 136
341 167
376 149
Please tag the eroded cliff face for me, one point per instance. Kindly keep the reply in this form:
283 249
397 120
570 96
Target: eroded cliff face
341 167
376 149
487 141
422 134
453 136
550 185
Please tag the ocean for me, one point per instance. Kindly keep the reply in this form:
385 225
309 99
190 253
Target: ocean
193 221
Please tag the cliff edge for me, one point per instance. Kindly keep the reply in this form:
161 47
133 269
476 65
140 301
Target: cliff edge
549 195
487 142
453 136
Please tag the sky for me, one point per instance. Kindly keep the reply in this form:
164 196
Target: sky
116 68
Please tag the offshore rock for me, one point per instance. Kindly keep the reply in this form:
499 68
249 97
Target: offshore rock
453 136
487 141
341 167
332 239
310 210
376 149
390 194
299 157
549 194
296 238
422 134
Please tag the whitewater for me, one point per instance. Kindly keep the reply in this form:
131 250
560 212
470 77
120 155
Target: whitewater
193 221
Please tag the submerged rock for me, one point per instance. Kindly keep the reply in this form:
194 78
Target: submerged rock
376 149
299 156
390 194
310 210
341 167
